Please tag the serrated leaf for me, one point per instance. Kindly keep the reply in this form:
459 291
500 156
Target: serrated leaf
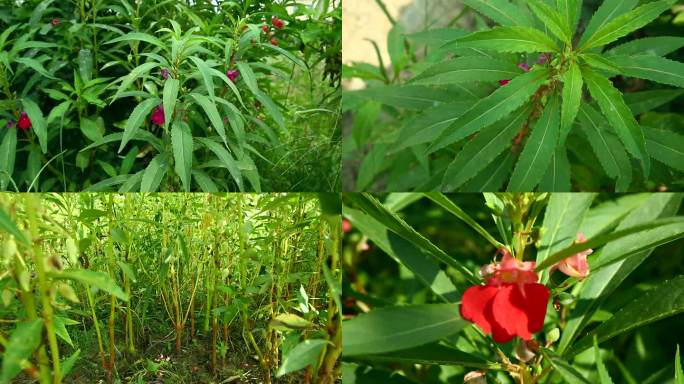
501 11
557 175
406 96
437 37
510 39
35 65
181 140
137 36
493 108
644 101
552 19
570 11
625 24
140 112
212 113
8 155
538 150
467 69
493 177
654 68
205 72
608 11
618 114
600 62
154 174
225 157
38 123
572 97
667 299
655 46
665 146
429 125
248 76
170 94
137 72
482 150
396 328
604 377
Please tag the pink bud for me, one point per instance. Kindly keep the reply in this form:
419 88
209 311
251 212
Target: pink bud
346 226
524 67
165 73
576 265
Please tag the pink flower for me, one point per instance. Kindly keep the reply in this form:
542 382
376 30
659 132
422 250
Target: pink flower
24 121
510 304
165 73
524 67
233 74
346 226
278 23
544 58
504 82
576 265
10 124
158 116
55 22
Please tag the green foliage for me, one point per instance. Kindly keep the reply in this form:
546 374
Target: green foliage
449 134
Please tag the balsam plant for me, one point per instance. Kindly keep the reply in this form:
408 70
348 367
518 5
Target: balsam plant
513 288
513 105
168 95
195 285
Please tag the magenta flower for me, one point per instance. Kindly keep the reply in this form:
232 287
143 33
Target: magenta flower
158 116
24 121
524 67
544 58
504 82
233 74
165 73
10 124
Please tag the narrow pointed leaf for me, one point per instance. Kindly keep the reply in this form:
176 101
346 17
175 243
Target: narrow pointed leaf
139 114
226 158
137 36
655 46
212 113
154 174
607 12
169 99
679 374
552 19
510 39
468 69
431 354
97 279
654 68
570 10
22 342
644 101
8 155
406 96
181 140
666 147
38 123
501 11
557 176
572 97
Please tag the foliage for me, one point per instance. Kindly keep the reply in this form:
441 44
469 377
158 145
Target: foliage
544 99
402 322
169 95
109 287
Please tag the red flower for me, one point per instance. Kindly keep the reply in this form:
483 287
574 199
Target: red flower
233 74
511 303
24 121
10 124
158 116
278 23
55 22
504 82
265 28
274 41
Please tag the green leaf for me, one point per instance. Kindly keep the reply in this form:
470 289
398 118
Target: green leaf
565 369
396 328
598 286
604 377
437 37
139 114
372 207
601 62
443 201
510 39
481 151
7 225
493 108
90 129
154 174
644 101
501 11
666 147
429 125
97 279
572 98
538 151
225 157
297 61
169 99
36 66
37 121
624 24
467 69
570 11
608 148
60 329
654 68
396 48
272 108
493 177
127 270
667 299
564 214
68 363
138 36
679 374
205 72
430 354
302 355
655 46
209 108
553 21
8 155
607 12
618 114
137 72
22 342
406 96
557 176
404 252
181 140
248 76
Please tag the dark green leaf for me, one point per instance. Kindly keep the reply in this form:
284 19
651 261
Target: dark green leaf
654 68
22 342
139 114
510 39
181 140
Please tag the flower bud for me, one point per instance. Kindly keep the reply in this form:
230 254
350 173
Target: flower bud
475 377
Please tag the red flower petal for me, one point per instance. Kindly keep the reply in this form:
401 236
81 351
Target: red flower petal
520 313
474 302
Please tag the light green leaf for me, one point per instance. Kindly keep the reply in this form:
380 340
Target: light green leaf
607 12
137 72
36 66
139 114
396 328
570 11
272 108
60 329
552 19
68 363
572 98
618 114
396 48
493 108
154 174
604 377
127 270
539 149
624 24
302 355
181 140
666 147
565 369
564 214
666 300
404 252
297 61
429 125
510 39
467 69
37 121
655 46
501 11
22 342
679 374
210 109
248 76
205 72
225 157
97 279
138 36
406 96
169 99
8 154
654 68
